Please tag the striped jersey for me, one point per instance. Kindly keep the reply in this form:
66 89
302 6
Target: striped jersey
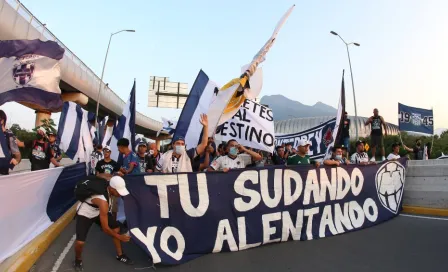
358 158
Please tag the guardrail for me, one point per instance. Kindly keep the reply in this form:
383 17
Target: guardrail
17 22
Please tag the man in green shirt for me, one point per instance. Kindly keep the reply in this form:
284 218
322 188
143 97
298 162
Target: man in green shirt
301 157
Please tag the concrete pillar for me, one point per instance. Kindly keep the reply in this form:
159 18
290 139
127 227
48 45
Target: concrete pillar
41 115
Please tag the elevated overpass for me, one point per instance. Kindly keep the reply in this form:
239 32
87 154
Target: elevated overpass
17 22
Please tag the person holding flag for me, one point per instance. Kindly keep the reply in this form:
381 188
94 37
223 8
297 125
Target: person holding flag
179 160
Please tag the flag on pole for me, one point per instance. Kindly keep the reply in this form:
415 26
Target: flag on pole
30 73
73 132
234 93
125 127
415 119
198 102
168 126
337 132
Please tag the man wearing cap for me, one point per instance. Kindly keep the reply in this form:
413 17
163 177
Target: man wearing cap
144 161
233 159
337 158
360 157
12 146
396 150
179 159
57 154
95 209
302 157
41 152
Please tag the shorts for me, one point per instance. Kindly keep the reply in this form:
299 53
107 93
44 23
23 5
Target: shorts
376 141
83 225
113 203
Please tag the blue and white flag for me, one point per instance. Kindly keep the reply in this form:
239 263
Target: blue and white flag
198 102
168 126
415 119
125 127
73 132
30 73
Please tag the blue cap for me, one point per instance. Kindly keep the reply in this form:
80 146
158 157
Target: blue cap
178 138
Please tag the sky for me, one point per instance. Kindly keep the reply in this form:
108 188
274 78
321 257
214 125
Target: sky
403 55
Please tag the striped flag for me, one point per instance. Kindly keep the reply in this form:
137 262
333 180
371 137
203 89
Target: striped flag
30 73
234 93
337 131
125 127
198 102
73 132
168 126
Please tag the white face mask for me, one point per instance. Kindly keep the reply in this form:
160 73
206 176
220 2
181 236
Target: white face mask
179 149
151 152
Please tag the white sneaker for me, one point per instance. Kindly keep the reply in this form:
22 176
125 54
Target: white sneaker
372 159
383 158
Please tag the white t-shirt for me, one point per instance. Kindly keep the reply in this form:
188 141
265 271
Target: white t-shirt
358 158
226 162
87 210
392 156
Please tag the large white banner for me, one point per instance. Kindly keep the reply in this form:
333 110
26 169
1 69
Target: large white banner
23 208
252 126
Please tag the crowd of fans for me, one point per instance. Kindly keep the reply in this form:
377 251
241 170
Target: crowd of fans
102 209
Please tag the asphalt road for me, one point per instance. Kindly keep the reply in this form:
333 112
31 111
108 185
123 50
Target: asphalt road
402 244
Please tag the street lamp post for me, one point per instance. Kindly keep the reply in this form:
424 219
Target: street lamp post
101 81
351 75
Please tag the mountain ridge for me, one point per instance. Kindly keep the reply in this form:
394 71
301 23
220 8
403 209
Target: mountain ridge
285 108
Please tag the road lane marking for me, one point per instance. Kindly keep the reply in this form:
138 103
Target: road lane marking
61 257
425 217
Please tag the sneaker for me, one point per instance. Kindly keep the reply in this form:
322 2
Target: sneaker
77 264
383 158
124 259
372 159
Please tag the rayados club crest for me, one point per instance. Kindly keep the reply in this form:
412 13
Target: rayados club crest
22 72
389 181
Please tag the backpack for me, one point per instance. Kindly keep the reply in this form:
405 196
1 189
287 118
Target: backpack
90 186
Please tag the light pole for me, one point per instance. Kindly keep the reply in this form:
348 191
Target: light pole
101 81
351 75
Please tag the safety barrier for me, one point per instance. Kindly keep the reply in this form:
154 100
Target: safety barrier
427 184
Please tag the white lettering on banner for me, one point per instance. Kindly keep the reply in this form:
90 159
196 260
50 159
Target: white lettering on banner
268 201
288 177
167 233
148 241
326 185
327 221
267 229
311 187
224 234
342 218
162 183
242 235
252 126
185 199
239 203
309 227
343 183
289 228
